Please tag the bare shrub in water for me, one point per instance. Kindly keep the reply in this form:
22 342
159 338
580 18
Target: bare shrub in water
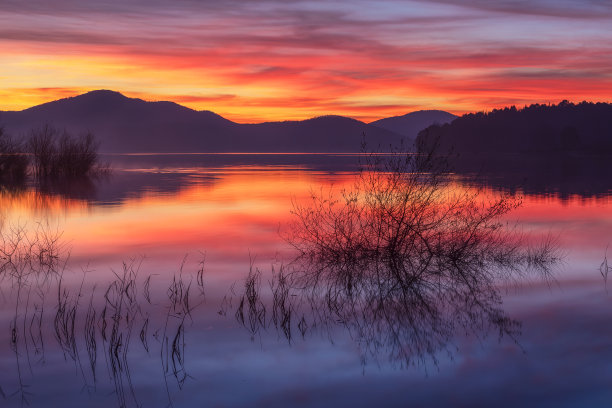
59 154
404 259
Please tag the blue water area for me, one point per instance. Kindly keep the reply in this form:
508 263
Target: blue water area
158 285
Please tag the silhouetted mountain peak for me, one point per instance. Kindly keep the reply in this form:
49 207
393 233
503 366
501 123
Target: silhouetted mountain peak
124 124
111 104
102 93
425 112
410 124
89 101
324 118
314 120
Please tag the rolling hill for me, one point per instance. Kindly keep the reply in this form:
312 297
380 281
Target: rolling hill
123 124
410 124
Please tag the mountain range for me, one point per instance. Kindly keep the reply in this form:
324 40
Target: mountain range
125 125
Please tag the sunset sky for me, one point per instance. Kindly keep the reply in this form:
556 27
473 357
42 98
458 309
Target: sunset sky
253 61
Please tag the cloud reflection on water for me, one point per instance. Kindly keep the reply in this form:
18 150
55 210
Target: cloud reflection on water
236 211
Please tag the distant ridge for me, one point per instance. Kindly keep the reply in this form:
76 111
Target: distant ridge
123 124
410 124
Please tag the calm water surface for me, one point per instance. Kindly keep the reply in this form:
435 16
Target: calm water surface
205 221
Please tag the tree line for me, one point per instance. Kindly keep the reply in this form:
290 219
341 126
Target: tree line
538 128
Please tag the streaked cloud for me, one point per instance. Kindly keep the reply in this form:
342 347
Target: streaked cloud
294 59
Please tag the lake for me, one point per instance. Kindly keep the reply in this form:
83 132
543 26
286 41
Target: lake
125 291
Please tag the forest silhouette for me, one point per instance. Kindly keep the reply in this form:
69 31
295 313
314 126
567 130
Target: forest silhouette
566 127
541 149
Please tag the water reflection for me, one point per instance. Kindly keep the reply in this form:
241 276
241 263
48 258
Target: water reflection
558 175
83 319
52 194
135 176
138 175
230 211
402 260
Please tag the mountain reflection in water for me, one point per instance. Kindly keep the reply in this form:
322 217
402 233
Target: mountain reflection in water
136 175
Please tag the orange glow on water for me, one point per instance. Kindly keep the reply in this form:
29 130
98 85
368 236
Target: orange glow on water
237 215
241 214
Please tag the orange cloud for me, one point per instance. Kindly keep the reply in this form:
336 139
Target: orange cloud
289 60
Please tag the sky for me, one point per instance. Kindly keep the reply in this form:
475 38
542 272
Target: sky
254 61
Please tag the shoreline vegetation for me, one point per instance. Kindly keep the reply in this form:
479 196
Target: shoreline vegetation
400 262
585 127
49 155
561 149
86 324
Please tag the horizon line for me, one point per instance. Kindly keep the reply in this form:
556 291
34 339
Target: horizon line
457 114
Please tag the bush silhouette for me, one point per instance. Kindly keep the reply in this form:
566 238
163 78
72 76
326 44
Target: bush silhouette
56 154
13 163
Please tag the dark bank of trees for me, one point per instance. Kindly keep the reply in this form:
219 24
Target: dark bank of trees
48 154
566 127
